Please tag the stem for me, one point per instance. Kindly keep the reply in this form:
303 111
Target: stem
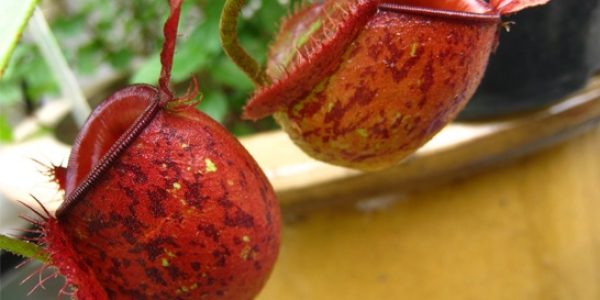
22 248
45 40
168 50
231 43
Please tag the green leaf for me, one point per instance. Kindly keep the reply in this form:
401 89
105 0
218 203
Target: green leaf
13 18
197 52
5 130
36 73
89 58
258 47
120 59
215 105
148 72
242 129
14 69
10 94
226 72
64 26
270 14
27 72
23 248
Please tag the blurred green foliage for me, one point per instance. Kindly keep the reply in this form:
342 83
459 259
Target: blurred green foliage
127 35
5 132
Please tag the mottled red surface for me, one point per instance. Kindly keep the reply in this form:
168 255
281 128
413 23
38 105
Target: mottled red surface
311 44
309 47
403 78
161 201
364 88
183 212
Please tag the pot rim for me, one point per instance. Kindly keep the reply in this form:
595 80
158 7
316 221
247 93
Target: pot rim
491 17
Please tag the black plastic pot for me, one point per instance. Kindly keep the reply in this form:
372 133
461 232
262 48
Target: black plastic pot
550 52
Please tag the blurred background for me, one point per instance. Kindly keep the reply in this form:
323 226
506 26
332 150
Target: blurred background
551 51
491 234
114 43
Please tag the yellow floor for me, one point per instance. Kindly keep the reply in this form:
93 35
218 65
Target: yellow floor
528 230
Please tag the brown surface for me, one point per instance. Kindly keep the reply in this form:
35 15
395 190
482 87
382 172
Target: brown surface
527 230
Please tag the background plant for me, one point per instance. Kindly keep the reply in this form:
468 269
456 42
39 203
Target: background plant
126 37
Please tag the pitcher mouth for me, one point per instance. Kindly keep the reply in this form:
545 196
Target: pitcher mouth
490 17
82 175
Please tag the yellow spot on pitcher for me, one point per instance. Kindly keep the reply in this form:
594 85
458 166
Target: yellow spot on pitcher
210 166
165 262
